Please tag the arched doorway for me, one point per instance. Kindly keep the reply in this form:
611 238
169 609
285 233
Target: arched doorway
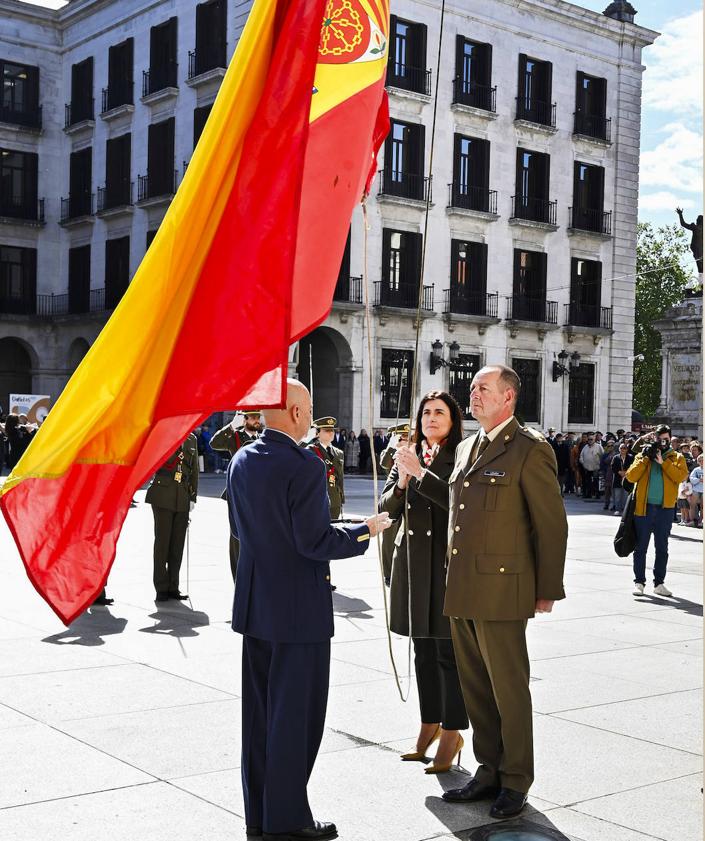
78 349
326 354
15 371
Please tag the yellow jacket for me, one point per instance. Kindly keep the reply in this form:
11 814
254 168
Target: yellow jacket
675 471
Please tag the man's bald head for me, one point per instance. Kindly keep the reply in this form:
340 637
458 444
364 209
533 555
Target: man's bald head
295 420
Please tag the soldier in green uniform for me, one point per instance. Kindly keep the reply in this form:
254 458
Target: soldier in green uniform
333 459
229 439
399 434
172 494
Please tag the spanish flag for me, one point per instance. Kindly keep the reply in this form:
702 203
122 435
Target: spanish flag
244 264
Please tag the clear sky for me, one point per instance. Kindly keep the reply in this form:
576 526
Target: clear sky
672 115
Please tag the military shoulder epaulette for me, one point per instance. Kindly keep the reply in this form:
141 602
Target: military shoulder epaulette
534 434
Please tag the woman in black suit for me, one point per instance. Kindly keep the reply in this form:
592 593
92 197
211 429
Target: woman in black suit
418 581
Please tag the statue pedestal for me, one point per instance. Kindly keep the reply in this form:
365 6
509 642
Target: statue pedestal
681 403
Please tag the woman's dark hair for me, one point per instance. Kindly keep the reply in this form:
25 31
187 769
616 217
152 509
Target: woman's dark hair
455 436
11 424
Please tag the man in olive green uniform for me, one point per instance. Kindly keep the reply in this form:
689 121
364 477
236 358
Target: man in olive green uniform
172 494
333 459
399 434
507 535
229 439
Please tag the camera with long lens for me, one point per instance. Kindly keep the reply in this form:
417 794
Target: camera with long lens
651 450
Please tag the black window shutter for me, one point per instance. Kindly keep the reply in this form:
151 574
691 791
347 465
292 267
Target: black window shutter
459 56
129 66
420 47
480 277
601 98
391 58
580 93
457 140
388 145
220 30
32 88
548 83
598 284
419 150
521 90
517 274
386 253
542 260
31 165
546 176
454 257
413 251
487 69
519 170
483 179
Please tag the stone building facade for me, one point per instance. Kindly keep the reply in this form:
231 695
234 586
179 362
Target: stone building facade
530 227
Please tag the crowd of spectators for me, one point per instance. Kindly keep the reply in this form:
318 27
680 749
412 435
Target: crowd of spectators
593 465
16 432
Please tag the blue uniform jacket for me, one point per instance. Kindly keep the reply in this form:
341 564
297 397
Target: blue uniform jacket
278 505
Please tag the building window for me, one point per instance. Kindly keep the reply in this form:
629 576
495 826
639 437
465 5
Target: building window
529 403
406 67
588 197
591 107
161 176
118 187
534 93
533 173
581 394
211 26
529 289
471 174
117 270
460 379
473 74
120 90
80 181
162 58
149 239
200 115
18 280
397 368
82 103
401 269
79 279
404 161
585 292
20 94
18 184
468 277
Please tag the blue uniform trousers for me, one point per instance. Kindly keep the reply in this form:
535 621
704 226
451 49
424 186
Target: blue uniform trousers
284 698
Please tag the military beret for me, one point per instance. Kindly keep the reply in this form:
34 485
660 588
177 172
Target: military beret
399 429
326 423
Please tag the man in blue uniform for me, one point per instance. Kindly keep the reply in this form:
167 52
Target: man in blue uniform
278 504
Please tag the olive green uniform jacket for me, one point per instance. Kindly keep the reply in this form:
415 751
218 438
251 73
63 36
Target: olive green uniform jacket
334 461
230 440
507 529
164 491
418 566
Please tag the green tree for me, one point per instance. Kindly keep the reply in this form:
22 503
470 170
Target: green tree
662 255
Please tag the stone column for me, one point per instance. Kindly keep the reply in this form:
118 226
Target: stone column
663 399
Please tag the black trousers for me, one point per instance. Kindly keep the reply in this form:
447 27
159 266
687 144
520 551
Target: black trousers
440 695
284 699
169 537
590 484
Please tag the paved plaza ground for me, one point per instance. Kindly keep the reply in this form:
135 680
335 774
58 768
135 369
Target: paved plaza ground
127 724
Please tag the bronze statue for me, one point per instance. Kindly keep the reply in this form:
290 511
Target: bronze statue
696 242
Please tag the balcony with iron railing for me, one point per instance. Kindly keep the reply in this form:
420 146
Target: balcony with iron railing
70 304
78 111
14 209
591 221
465 197
405 185
18 304
467 92
529 209
25 117
161 186
77 206
588 315
117 95
404 296
458 301
159 78
201 62
348 290
539 310
406 78
535 111
115 196
594 126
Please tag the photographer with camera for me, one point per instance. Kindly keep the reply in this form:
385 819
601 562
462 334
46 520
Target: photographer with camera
657 471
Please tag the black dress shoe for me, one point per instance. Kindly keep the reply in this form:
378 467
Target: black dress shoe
253 831
318 831
162 596
175 594
508 803
474 790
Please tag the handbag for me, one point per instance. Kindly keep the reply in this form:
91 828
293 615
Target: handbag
625 540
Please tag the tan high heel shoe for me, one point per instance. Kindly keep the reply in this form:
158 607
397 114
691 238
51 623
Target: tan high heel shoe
420 755
441 769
